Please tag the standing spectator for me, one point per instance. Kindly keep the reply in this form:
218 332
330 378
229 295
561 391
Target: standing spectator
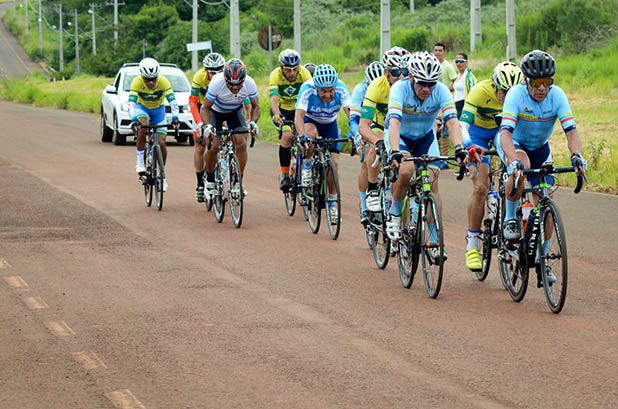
464 82
449 75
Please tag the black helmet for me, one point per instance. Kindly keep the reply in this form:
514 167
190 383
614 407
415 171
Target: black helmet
538 64
235 71
310 67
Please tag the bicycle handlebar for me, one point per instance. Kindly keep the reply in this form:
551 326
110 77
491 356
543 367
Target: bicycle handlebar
427 158
549 169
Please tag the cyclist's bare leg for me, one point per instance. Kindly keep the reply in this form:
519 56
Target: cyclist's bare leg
286 138
141 133
476 204
312 131
331 181
163 147
240 147
286 144
400 187
434 177
362 177
372 173
199 155
211 155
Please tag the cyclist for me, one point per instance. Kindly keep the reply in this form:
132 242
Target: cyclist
213 64
413 105
479 126
372 72
375 106
146 105
224 103
310 67
319 102
528 116
285 82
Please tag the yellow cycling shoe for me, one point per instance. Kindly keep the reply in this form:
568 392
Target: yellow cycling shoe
473 260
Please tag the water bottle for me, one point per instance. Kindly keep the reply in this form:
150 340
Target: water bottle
414 211
492 203
526 208
224 175
389 198
293 169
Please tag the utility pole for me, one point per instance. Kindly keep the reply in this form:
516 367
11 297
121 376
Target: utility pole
234 29
411 6
385 26
475 23
511 41
40 28
61 58
194 38
115 23
297 32
26 16
94 31
76 44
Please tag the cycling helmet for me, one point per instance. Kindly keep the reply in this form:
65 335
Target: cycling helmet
538 64
214 62
396 57
373 71
235 71
506 75
425 66
149 68
310 67
325 76
289 58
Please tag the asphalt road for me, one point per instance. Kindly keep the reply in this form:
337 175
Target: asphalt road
14 62
107 303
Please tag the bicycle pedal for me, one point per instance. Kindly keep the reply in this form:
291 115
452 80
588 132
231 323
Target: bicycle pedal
143 180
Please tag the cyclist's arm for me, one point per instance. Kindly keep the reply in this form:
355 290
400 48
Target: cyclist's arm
366 132
205 111
394 130
574 141
454 131
346 110
567 120
299 120
255 109
510 113
171 98
274 105
131 106
506 142
195 112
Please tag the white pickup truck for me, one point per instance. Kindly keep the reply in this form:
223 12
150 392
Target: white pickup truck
115 121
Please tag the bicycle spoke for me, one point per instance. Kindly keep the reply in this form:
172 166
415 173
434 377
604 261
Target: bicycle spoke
553 260
432 246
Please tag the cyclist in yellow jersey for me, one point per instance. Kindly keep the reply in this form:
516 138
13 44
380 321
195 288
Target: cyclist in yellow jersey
284 84
375 105
479 126
147 104
213 64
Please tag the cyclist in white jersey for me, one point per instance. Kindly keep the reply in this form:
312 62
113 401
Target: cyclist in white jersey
224 103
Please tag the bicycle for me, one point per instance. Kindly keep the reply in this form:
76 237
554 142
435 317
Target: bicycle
420 204
375 229
551 264
316 196
296 165
228 178
152 179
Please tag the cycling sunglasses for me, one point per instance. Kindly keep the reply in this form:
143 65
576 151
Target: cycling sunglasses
149 79
397 73
537 82
425 84
460 60
290 69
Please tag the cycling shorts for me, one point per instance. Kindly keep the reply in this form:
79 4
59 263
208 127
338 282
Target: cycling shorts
155 116
428 144
327 131
480 137
235 119
536 156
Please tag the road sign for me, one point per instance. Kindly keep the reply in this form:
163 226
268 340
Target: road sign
275 38
203 45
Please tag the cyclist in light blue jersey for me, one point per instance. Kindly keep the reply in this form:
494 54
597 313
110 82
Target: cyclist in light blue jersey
319 102
528 116
373 71
413 105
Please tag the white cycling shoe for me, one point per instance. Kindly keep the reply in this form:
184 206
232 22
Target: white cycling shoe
373 201
306 177
140 167
393 227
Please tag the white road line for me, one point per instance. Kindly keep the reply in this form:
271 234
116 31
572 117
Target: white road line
4 263
60 328
36 303
89 360
16 282
124 400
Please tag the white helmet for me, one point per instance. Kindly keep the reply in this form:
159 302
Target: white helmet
373 71
149 68
425 67
396 58
213 62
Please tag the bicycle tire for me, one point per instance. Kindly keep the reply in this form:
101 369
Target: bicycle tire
314 201
290 195
218 205
556 292
147 179
159 175
235 191
409 250
368 232
381 243
486 248
513 263
333 228
432 276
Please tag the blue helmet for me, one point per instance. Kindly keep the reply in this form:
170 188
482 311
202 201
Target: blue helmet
289 58
325 76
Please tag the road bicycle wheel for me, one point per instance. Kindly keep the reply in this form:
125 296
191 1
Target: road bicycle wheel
381 243
333 207
369 234
147 179
235 195
290 195
315 201
554 261
158 172
432 251
513 264
218 201
409 251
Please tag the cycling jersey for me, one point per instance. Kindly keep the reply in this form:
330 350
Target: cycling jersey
222 98
531 122
199 85
417 119
153 98
287 91
317 110
356 102
481 106
375 105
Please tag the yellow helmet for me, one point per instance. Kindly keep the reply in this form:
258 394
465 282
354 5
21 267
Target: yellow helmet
506 75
